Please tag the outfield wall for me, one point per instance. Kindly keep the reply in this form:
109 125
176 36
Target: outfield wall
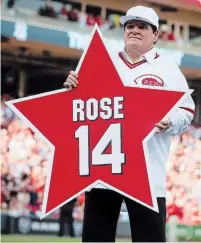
34 226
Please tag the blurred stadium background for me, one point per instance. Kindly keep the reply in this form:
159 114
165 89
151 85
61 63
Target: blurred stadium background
40 42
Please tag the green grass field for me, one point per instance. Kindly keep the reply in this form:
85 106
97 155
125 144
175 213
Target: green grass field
37 238
43 238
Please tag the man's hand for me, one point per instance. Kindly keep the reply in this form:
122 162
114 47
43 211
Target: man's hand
162 126
71 81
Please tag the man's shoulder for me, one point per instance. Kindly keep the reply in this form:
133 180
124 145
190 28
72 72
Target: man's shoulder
170 64
165 59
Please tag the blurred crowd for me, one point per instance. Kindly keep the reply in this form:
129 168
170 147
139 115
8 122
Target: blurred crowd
184 178
168 33
69 13
72 14
24 162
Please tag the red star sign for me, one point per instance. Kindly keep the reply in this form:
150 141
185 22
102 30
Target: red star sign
98 132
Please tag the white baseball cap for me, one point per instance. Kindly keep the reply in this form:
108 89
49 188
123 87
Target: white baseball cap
141 13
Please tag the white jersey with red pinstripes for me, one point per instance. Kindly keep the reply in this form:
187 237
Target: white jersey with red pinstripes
162 71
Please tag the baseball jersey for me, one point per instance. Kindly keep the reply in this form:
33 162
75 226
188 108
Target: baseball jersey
161 71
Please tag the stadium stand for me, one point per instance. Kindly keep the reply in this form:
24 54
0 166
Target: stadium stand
24 157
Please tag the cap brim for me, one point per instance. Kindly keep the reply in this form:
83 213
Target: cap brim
127 18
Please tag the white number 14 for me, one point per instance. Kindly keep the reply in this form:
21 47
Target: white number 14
112 137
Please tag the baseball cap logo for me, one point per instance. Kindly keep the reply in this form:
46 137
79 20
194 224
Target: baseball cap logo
149 80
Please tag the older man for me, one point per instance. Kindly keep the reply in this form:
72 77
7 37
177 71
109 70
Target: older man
139 64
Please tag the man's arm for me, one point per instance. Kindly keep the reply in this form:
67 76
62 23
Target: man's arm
183 116
180 121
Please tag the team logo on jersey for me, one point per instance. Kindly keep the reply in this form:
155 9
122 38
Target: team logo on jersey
149 80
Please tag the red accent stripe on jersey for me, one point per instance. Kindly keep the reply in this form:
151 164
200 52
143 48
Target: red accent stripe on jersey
131 65
187 109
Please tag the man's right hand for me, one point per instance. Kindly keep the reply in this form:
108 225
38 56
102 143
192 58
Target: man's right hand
71 81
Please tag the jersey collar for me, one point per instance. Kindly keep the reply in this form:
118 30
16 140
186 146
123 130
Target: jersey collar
149 56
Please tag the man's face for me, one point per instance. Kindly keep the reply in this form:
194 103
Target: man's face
139 35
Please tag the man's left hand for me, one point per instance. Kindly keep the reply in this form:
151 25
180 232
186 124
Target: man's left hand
162 126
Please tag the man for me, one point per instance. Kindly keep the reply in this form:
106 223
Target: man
139 64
